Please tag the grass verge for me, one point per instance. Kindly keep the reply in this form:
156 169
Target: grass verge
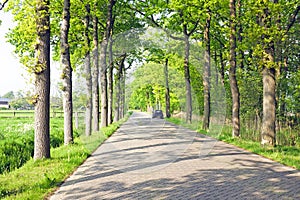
287 155
38 179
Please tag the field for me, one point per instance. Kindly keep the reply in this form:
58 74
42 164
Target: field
38 179
17 137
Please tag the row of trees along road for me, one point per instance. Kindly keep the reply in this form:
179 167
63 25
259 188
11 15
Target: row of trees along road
254 44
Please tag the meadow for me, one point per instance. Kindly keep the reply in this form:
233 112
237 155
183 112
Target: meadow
31 179
17 138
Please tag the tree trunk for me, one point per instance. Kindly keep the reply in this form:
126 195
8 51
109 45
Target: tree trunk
222 64
123 78
167 92
95 76
88 112
110 81
240 31
268 131
42 82
103 74
206 75
118 97
188 90
232 73
118 90
66 75
103 83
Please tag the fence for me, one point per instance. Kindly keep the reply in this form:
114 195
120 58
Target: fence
78 115
30 113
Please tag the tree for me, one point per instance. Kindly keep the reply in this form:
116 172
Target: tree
95 75
118 85
31 37
42 82
232 72
268 131
88 76
66 74
110 73
9 95
103 66
167 90
207 73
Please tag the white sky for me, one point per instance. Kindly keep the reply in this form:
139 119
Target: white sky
13 76
11 71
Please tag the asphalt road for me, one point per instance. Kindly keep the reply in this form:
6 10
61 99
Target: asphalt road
153 159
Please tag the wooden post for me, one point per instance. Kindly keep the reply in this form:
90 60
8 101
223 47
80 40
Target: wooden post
76 120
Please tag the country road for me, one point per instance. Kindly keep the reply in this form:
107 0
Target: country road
153 159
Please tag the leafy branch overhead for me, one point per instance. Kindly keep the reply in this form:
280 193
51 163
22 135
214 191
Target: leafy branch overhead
2 5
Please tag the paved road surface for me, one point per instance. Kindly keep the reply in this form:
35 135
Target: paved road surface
153 159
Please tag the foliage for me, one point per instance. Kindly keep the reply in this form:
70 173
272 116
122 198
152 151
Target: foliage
9 95
148 88
23 35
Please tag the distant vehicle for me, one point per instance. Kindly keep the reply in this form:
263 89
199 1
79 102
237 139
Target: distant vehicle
158 114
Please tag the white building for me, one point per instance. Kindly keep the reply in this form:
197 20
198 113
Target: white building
4 103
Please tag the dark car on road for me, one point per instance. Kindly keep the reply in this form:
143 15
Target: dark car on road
158 114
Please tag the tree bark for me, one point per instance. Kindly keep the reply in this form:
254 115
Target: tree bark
222 64
103 68
167 91
42 82
95 76
240 31
268 131
206 74
232 73
123 97
118 90
187 78
103 83
88 75
110 80
66 74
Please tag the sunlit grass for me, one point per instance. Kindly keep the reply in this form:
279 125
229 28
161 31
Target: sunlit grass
287 155
38 179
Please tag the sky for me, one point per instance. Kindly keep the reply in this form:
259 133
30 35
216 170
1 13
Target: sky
13 76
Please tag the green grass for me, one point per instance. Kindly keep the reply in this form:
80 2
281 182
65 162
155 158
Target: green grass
17 139
287 155
30 113
38 179
16 113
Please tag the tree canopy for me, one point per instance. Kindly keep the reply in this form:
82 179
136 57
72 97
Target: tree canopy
180 56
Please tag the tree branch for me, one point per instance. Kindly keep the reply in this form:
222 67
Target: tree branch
102 25
293 19
3 4
194 29
152 20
